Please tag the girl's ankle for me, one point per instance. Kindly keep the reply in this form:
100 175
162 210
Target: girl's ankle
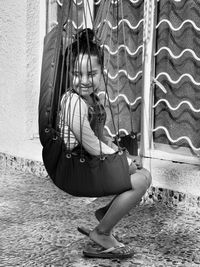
102 232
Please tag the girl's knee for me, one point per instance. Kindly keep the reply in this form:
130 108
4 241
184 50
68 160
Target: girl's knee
148 177
140 182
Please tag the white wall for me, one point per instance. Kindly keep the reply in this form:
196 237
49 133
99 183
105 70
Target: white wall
22 27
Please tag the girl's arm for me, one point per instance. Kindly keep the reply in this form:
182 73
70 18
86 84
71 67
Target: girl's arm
77 119
109 141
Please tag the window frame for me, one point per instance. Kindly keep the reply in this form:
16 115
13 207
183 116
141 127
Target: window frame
149 148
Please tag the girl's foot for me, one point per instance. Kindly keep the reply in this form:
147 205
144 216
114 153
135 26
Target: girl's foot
106 240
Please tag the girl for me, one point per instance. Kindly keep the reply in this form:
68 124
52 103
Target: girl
103 169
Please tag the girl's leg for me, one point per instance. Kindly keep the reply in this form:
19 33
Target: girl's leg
99 214
120 206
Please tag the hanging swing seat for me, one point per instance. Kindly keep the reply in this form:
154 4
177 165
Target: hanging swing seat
87 175
90 176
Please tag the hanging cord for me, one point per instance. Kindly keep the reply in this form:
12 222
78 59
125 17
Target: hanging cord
63 103
102 31
106 84
79 95
126 61
90 62
56 61
67 85
132 134
117 20
68 88
61 82
107 8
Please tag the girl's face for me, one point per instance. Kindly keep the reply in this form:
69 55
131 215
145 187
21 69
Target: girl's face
86 75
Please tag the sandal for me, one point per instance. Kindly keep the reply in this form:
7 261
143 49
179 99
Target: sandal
86 232
120 252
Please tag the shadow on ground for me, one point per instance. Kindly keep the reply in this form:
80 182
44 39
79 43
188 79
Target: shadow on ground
38 228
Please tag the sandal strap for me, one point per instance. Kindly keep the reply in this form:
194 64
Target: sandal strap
112 249
124 250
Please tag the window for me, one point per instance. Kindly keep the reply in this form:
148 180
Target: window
175 105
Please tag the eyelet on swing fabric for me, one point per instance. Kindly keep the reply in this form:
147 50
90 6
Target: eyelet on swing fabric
92 177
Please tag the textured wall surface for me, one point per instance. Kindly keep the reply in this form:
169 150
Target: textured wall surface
20 52
12 72
33 52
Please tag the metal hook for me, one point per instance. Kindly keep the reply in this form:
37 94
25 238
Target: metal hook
159 84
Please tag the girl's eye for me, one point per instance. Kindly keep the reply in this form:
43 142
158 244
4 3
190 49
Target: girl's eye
91 74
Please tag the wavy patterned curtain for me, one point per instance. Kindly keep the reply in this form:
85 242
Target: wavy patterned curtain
177 61
119 26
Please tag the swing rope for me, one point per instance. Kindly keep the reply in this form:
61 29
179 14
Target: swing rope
66 5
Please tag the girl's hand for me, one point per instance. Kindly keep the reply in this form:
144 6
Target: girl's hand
109 141
132 168
136 160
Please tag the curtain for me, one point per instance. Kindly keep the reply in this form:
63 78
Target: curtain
177 67
119 26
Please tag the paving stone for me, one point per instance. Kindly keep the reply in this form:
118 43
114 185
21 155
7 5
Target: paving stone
38 227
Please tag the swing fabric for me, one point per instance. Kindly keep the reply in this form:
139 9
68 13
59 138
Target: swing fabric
73 170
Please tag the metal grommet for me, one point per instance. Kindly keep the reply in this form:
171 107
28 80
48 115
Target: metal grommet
82 160
120 152
102 158
55 138
118 139
46 130
68 156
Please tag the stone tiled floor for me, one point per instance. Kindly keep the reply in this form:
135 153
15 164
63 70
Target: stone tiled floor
38 227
